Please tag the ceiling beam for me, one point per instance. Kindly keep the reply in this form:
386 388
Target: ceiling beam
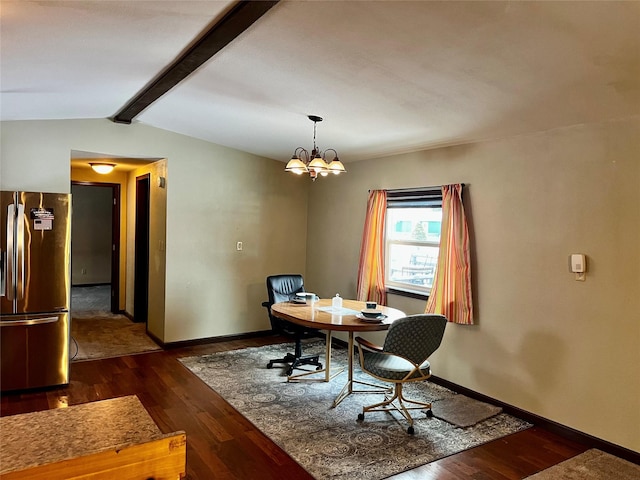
236 21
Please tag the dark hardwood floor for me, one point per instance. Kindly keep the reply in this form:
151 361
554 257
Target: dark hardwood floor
222 444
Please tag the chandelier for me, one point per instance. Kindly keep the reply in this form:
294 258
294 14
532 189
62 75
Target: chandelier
314 163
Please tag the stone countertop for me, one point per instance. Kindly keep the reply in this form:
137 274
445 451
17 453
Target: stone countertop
38 438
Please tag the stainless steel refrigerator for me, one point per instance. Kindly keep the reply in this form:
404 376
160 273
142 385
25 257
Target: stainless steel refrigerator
35 258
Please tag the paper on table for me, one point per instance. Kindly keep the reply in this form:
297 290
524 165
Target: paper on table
338 310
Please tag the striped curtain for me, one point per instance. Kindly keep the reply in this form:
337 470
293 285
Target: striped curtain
371 269
451 291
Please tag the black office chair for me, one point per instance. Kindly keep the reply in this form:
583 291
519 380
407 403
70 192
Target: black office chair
282 288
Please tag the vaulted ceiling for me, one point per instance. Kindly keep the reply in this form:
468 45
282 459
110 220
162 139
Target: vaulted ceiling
387 76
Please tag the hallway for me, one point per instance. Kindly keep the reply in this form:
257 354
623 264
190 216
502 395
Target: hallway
98 333
90 298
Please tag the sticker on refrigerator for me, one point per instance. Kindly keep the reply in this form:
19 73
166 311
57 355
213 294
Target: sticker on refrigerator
44 224
42 218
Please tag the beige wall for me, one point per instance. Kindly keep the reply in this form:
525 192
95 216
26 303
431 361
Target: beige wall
91 235
566 350
216 196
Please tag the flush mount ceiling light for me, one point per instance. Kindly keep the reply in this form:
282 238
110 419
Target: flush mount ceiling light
102 168
315 163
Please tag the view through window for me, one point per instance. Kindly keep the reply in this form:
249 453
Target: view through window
412 244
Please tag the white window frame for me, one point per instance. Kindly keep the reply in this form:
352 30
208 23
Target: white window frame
414 198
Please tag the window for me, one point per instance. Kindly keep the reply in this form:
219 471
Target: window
412 239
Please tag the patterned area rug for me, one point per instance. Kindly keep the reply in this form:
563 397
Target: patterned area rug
103 335
591 465
330 443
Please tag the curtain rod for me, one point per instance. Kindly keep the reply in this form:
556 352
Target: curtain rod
417 188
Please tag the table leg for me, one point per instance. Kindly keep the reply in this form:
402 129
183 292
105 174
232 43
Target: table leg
327 356
328 375
348 387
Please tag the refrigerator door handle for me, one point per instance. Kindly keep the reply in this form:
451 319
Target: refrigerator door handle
28 322
10 273
20 247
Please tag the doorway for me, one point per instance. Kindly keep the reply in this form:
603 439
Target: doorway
141 263
101 334
95 243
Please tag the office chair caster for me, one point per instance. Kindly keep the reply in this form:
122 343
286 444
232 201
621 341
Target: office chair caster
290 370
410 430
429 413
361 416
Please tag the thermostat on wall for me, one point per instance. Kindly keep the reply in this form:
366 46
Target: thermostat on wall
577 263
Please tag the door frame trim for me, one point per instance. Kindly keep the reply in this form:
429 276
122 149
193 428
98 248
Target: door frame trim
115 238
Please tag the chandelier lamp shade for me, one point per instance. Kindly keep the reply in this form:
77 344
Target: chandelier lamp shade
315 163
102 168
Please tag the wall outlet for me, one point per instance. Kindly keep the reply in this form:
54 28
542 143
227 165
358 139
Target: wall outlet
239 246
84 271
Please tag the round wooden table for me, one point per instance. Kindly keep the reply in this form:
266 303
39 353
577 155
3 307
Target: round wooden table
322 316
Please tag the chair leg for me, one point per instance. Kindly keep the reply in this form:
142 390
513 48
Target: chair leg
305 360
296 362
390 404
288 358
